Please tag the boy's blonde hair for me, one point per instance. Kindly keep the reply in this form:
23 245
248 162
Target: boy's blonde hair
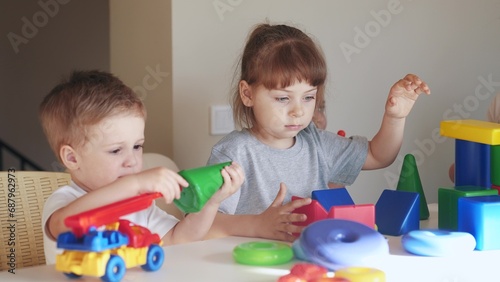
276 56
81 101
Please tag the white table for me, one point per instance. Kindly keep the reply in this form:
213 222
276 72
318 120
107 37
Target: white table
211 260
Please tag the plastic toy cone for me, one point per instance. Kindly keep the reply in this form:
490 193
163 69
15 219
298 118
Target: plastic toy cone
203 183
409 180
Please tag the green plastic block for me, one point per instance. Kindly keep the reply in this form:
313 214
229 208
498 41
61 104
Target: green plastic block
203 183
409 180
448 203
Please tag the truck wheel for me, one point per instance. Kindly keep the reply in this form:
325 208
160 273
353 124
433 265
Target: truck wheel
154 258
115 269
72 275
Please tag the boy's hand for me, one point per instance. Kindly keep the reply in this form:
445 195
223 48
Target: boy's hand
233 178
403 95
276 222
163 180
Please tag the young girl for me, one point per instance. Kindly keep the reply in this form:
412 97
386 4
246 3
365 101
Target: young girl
283 74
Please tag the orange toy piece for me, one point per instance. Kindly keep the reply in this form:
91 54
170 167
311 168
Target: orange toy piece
308 272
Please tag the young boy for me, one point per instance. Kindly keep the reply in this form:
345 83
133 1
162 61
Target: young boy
95 126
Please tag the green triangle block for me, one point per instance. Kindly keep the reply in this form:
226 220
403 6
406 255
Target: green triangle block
409 180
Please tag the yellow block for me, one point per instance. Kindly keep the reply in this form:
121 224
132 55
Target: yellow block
361 274
472 130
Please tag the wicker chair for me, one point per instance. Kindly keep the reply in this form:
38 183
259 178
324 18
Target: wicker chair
32 188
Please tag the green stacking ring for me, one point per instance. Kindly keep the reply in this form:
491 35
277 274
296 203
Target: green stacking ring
262 253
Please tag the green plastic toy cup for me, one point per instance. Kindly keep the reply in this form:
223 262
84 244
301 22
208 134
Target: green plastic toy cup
203 183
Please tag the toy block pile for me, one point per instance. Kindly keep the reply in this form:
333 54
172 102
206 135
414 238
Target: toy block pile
395 213
473 204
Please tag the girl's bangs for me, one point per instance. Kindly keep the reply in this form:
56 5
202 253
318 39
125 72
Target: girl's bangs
289 65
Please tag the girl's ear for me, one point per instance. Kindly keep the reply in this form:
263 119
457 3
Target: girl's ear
69 157
245 93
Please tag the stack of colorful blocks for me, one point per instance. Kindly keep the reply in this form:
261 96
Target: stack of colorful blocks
396 212
335 203
473 205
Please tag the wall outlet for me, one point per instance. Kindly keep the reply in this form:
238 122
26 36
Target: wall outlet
221 120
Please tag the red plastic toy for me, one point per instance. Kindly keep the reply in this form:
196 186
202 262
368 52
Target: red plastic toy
108 253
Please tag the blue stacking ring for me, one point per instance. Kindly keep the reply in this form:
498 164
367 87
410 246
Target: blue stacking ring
438 243
338 243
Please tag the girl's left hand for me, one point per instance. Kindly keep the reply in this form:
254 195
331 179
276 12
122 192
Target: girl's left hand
403 95
233 176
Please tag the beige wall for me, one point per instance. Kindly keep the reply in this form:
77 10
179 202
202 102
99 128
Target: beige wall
129 38
140 43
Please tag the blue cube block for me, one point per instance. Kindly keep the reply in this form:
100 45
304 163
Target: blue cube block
397 212
332 197
472 164
480 216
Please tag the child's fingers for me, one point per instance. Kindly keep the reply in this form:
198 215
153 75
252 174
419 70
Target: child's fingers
173 189
425 88
287 230
412 82
180 180
178 192
280 197
292 205
293 217
236 173
167 195
235 169
412 77
226 176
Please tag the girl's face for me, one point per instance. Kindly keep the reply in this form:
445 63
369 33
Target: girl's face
280 113
114 149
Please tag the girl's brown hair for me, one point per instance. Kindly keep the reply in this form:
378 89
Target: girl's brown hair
276 56
81 101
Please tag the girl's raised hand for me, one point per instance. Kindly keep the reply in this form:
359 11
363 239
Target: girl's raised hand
403 95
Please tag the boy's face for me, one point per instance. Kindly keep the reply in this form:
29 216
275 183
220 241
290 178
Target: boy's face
114 149
282 113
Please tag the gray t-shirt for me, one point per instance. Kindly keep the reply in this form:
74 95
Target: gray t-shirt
316 158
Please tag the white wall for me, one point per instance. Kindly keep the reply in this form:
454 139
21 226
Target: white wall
452 45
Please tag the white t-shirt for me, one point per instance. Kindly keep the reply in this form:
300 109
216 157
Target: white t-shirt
153 218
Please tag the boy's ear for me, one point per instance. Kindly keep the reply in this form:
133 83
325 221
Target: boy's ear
245 93
69 157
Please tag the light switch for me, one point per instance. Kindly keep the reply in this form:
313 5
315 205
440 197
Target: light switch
221 120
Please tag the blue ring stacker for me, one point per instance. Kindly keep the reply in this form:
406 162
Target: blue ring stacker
438 243
338 243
